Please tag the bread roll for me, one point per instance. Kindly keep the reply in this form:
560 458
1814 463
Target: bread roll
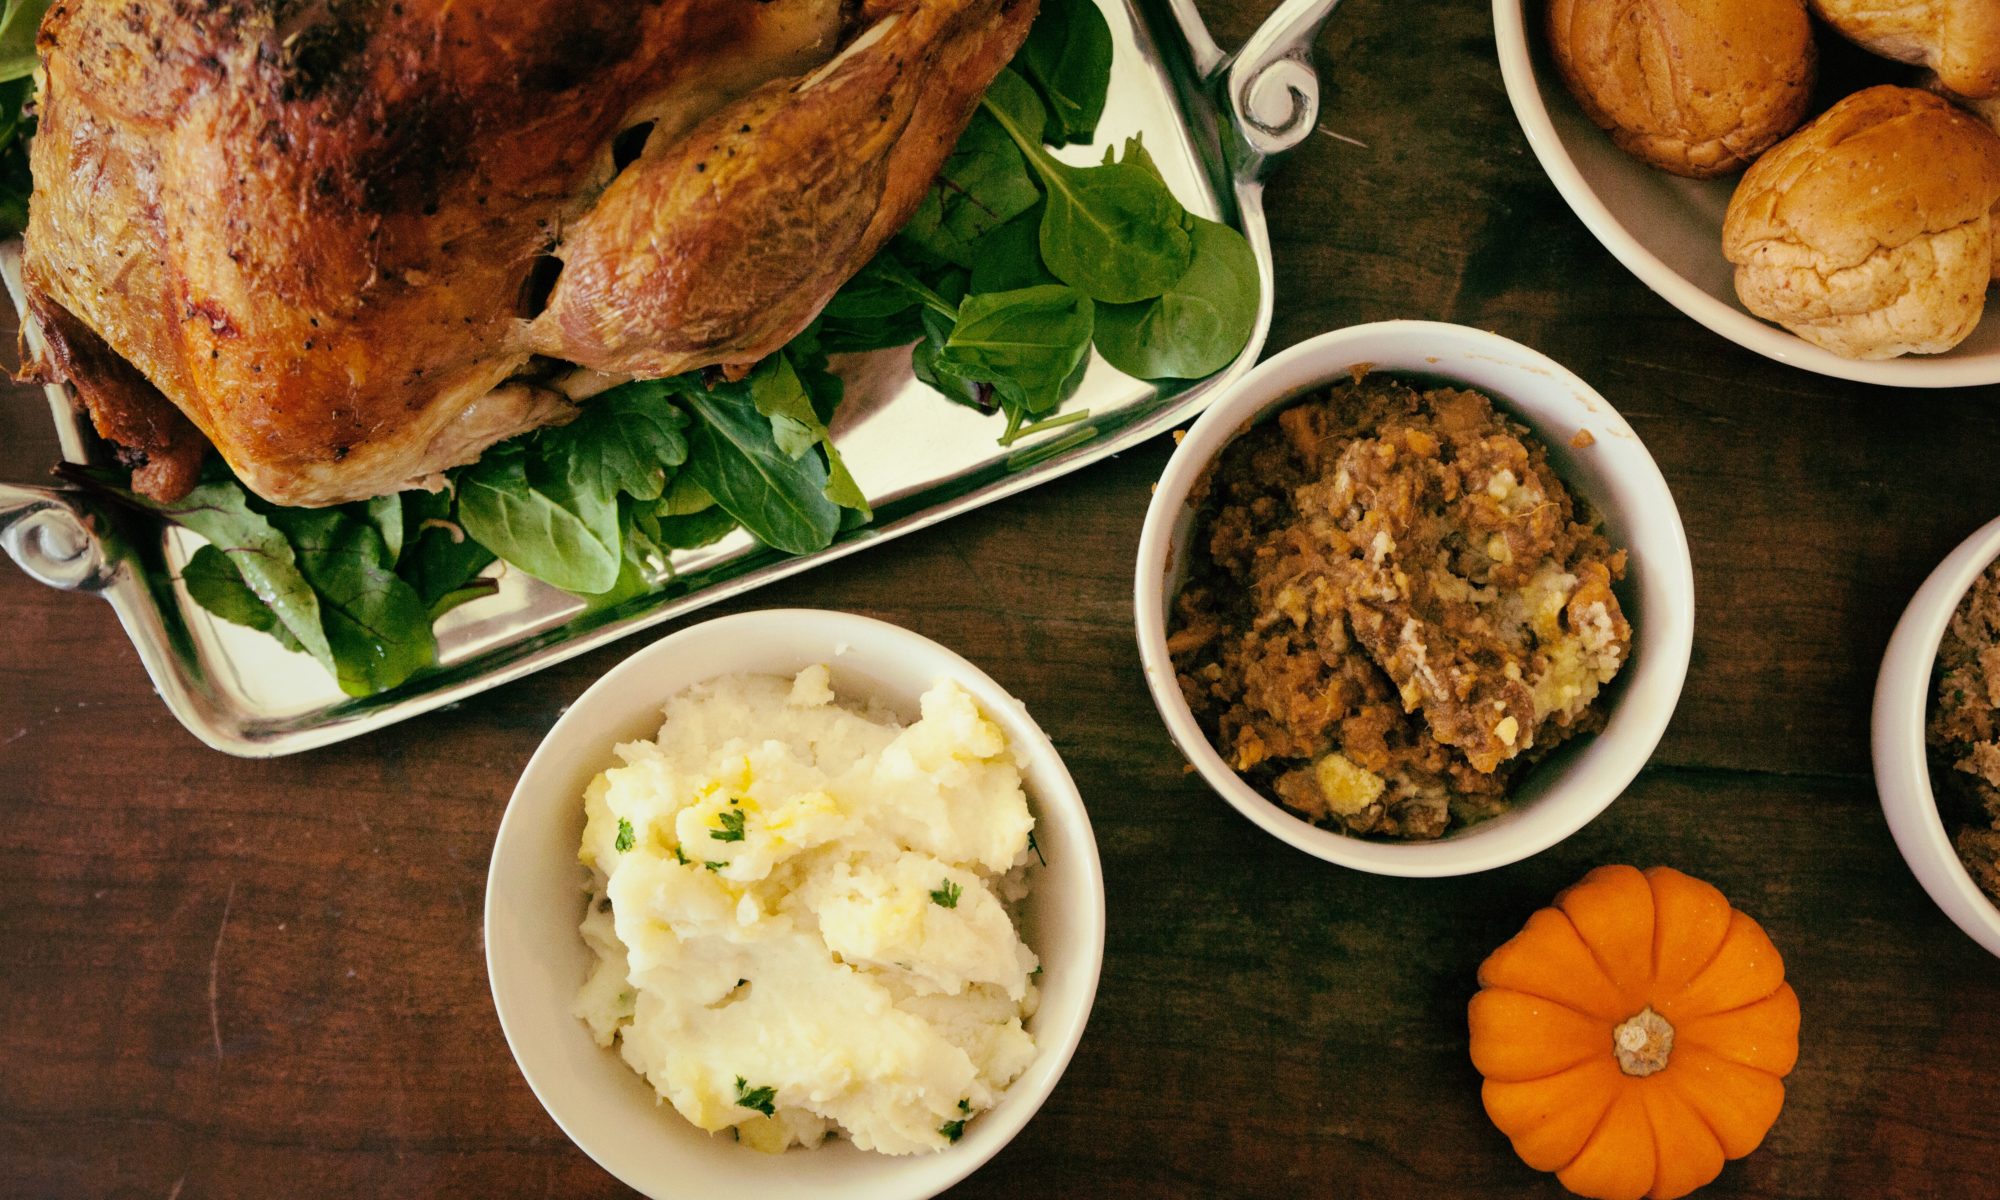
1986 108
1870 232
1696 87
1959 39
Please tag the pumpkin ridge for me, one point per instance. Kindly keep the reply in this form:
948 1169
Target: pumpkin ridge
1562 1004
1652 1121
1604 968
1698 1114
1695 974
1721 1012
1610 1102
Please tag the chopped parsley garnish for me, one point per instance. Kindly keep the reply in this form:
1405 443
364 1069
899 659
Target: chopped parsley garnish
714 866
626 838
757 1098
1032 845
680 858
947 895
732 827
953 1130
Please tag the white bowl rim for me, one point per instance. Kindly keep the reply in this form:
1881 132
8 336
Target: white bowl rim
1002 1123
1771 341
1896 736
1669 635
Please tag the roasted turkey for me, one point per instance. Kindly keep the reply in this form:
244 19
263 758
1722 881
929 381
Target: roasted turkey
352 243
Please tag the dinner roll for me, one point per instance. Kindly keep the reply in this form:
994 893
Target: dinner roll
1986 108
1959 39
1870 232
1696 87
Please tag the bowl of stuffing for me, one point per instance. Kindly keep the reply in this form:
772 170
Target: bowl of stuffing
1415 599
1936 736
794 903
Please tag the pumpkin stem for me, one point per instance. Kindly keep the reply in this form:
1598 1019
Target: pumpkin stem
1643 1043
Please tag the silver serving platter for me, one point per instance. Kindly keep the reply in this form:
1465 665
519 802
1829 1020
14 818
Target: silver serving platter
1213 122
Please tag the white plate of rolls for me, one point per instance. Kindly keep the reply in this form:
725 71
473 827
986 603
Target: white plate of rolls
1816 180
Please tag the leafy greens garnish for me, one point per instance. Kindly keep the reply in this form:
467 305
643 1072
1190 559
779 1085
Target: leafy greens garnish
1112 230
953 1130
1199 324
1027 344
758 1098
731 822
946 894
1015 264
626 837
19 21
1068 59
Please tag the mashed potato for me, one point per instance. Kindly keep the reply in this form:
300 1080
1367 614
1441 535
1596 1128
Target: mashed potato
800 912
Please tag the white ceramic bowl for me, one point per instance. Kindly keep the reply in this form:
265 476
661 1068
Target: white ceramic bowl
536 960
1668 230
1617 477
1902 772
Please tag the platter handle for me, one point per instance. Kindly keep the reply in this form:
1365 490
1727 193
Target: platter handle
1269 91
47 535
1271 87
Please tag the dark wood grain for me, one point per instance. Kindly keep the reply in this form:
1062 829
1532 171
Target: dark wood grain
229 978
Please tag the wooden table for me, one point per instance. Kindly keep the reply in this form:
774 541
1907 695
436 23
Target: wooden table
261 979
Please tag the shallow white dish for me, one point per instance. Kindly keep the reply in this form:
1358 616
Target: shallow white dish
1668 230
1902 771
1615 474
534 899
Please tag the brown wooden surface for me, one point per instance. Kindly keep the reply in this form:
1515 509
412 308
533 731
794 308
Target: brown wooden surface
227 978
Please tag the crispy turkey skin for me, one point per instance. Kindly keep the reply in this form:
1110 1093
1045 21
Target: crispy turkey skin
352 243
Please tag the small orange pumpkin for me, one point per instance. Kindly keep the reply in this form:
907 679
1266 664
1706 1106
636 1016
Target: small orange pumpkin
1635 1035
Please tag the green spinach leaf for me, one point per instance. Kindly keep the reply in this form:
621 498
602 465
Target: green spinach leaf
1202 322
684 497
884 287
539 522
926 364
686 531
625 440
385 513
19 22
439 559
856 335
1068 58
779 392
220 512
1113 231
1028 344
983 184
378 628
1011 256
213 582
731 453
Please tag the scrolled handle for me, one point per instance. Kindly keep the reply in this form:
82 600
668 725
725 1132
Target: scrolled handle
1271 86
48 536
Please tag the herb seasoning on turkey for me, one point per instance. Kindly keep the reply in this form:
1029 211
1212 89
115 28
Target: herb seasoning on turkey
1394 608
